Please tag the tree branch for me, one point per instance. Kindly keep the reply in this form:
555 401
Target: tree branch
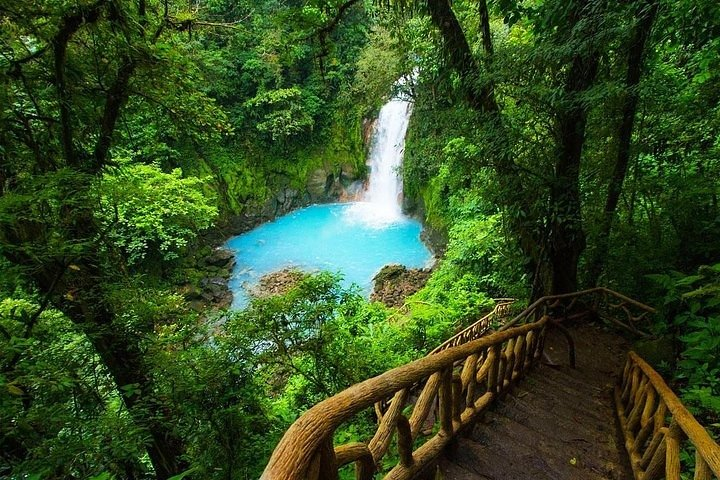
116 97
69 24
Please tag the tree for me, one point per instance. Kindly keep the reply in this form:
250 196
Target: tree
145 211
69 71
645 17
564 239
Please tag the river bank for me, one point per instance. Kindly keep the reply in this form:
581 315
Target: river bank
359 239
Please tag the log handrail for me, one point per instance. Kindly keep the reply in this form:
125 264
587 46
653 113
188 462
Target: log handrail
490 366
655 422
601 298
600 295
479 328
461 379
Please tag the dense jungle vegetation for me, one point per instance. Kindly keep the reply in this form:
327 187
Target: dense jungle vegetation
556 144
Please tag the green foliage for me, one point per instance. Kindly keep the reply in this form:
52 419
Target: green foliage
265 102
318 336
476 266
691 310
59 413
284 113
378 67
145 210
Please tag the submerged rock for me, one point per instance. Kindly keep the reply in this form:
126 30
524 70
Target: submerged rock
394 283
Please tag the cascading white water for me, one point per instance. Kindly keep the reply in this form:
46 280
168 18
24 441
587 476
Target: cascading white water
380 205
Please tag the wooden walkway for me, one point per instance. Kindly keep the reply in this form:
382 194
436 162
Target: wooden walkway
559 423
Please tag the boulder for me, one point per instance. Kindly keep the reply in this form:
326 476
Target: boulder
394 283
318 184
368 128
276 283
290 197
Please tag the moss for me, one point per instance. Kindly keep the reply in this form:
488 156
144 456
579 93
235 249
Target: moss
245 173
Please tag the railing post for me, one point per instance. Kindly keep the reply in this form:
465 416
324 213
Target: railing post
424 403
327 468
378 445
445 399
456 400
672 452
509 363
405 443
359 453
657 463
702 469
492 378
468 379
519 366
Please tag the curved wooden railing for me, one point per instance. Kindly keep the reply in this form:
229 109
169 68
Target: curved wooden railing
463 381
480 327
607 304
655 422
432 398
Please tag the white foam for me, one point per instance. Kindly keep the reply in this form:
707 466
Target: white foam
380 204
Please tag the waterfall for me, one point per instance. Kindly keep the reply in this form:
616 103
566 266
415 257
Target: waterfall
380 204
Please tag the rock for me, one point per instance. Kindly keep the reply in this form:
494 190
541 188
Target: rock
435 239
353 191
388 272
368 128
191 293
276 283
394 283
269 210
197 305
213 281
290 196
224 300
343 185
318 184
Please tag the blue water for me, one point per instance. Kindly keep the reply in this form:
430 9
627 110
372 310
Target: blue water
325 237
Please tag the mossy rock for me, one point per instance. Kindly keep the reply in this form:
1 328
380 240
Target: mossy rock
387 273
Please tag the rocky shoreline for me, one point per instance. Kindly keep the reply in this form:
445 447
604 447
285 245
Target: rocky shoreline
211 291
215 262
391 285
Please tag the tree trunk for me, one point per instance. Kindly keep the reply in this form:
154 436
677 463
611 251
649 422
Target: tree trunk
566 240
509 176
485 29
460 56
74 276
646 14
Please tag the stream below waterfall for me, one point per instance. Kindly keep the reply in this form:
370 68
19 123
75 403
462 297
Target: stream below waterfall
355 239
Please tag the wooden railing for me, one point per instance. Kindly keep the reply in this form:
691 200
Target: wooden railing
607 304
655 423
462 381
480 327
433 398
